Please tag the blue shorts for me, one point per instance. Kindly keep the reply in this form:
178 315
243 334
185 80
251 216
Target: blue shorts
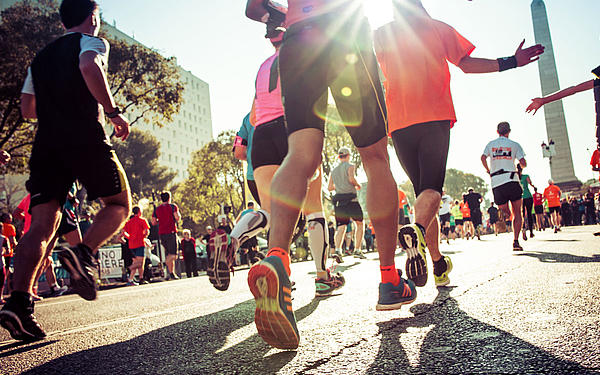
139 251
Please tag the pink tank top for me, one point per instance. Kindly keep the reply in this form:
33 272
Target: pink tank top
268 104
299 10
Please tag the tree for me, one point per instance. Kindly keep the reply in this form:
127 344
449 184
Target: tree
457 183
139 155
216 178
146 85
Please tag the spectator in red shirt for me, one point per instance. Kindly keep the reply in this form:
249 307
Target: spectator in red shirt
595 162
166 216
10 241
188 249
136 230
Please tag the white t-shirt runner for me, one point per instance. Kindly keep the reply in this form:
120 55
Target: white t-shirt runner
87 43
446 200
502 153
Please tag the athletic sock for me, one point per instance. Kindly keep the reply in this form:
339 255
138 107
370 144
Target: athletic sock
250 225
389 274
318 239
440 266
283 255
422 228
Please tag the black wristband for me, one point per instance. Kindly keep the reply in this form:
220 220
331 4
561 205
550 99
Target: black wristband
114 113
506 63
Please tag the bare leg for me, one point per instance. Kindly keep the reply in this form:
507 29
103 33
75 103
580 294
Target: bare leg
426 207
360 231
382 199
108 220
263 177
518 217
31 249
312 205
340 234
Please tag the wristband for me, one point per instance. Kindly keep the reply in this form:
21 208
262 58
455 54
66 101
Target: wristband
239 141
506 63
114 113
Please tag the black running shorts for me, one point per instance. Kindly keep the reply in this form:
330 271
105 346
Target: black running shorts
254 191
476 217
169 242
554 209
53 171
269 144
509 192
321 53
346 210
458 222
539 209
422 149
67 225
445 218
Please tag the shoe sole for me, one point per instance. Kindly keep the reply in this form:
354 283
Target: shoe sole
330 291
11 322
271 322
395 306
80 280
447 281
416 263
218 269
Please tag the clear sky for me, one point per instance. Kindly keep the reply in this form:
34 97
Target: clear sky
215 41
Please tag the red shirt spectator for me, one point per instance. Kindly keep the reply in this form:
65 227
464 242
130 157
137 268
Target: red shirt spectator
22 212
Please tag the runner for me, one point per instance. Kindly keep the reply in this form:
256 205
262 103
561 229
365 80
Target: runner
136 229
468 228
474 201
445 215
458 218
538 208
493 212
413 52
70 92
314 58
242 148
503 153
552 195
345 202
166 216
527 202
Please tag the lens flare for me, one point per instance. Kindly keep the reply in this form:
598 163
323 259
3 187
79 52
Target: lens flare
346 91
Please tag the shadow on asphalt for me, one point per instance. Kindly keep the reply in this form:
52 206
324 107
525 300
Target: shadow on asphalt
22 347
460 344
561 240
547 257
338 268
190 347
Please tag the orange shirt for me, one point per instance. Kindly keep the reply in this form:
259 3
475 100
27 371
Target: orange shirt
8 230
552 194
466 211
402 198
414 55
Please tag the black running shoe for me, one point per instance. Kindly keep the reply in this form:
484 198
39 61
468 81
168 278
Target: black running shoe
517 246
17 317
80 263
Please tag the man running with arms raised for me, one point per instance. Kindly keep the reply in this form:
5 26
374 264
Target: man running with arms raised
506 186
67 91
413 52
327 45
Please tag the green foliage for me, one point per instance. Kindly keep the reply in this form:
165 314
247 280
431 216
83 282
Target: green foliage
139 155
216 178
457 183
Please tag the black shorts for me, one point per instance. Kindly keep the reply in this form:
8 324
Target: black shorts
458 222
539 209
347 210
53 171
254 191
476 217
509 192
67 225
401 217
269 143
466 219
493 220
321 53
554 209
422 149
445 218
169 242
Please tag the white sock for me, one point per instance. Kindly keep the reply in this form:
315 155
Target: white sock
318 239
250 225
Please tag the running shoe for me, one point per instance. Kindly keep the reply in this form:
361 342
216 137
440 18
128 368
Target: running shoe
412 239
143 282
531 235
17 317
443 279
218 267
392 297
517 246
36 298
359 254
524 235
325 287
58 291
274 316
338 257
80 263
132 283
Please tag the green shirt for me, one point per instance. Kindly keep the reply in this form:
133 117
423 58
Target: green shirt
455 210
525 186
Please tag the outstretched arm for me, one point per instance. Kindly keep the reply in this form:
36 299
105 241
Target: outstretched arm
521 57
537 103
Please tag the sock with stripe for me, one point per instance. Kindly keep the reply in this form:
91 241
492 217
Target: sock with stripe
318 239
250 225
389 274
283 255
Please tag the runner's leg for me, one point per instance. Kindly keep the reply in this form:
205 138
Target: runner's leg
108 220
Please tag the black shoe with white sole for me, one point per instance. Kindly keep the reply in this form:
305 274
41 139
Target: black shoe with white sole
17 317
81 265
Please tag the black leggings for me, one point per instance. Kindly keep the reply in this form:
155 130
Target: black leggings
527 206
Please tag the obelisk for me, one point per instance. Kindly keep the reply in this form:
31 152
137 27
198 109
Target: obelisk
561 165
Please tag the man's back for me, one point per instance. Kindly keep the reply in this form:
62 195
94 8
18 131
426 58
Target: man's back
340 179
165 213
502 153
552 194
473 200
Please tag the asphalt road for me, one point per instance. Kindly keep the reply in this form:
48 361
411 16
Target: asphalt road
535 312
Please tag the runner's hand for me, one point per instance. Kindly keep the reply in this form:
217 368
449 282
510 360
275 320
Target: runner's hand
536 104
121 127
4 157
528 55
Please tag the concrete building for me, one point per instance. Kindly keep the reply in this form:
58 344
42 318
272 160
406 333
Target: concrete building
561 165
191 127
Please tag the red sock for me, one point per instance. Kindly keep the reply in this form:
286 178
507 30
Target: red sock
283 255
389 274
